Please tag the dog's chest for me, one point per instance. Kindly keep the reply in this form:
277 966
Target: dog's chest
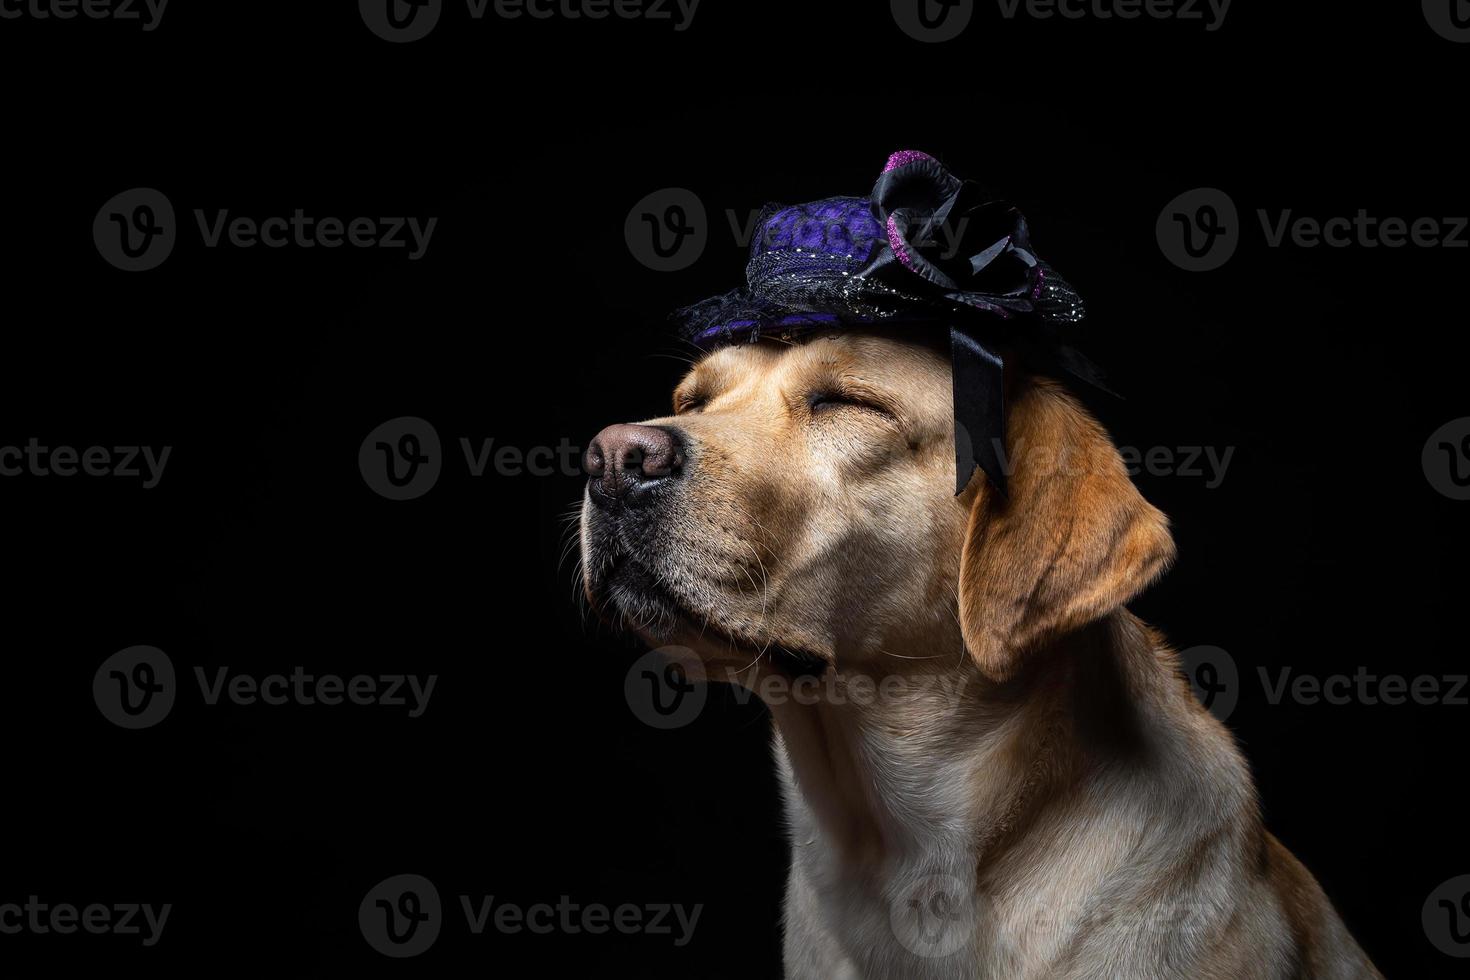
911 913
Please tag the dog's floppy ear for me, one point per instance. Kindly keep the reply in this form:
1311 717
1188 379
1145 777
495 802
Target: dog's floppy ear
1074 541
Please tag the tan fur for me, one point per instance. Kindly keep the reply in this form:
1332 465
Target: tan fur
1033 757
1074 541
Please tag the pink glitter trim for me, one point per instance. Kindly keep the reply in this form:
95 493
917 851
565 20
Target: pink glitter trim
897 243
905 157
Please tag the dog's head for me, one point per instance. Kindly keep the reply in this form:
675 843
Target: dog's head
800 500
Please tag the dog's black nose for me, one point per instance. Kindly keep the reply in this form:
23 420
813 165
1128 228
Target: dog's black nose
626 458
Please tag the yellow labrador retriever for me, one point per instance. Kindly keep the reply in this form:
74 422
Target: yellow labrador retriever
991 768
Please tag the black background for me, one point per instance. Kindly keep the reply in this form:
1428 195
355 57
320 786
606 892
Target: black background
1325 548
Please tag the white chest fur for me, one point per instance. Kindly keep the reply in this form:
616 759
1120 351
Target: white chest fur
887 828
910 911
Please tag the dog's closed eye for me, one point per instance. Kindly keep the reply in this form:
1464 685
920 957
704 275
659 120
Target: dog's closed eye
819 401
825 401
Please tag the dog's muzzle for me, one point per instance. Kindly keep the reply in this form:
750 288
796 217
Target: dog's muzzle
627 464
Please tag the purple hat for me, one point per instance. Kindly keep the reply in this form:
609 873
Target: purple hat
925 250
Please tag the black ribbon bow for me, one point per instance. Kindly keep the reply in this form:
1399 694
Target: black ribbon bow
949 243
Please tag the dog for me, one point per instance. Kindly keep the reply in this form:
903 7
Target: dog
991 768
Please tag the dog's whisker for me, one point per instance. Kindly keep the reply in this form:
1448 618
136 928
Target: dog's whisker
899 656
681 358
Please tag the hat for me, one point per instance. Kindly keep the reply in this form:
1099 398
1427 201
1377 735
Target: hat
924 251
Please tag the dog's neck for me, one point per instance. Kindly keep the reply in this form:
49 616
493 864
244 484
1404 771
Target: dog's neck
945 762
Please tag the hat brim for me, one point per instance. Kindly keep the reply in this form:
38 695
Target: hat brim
742 316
